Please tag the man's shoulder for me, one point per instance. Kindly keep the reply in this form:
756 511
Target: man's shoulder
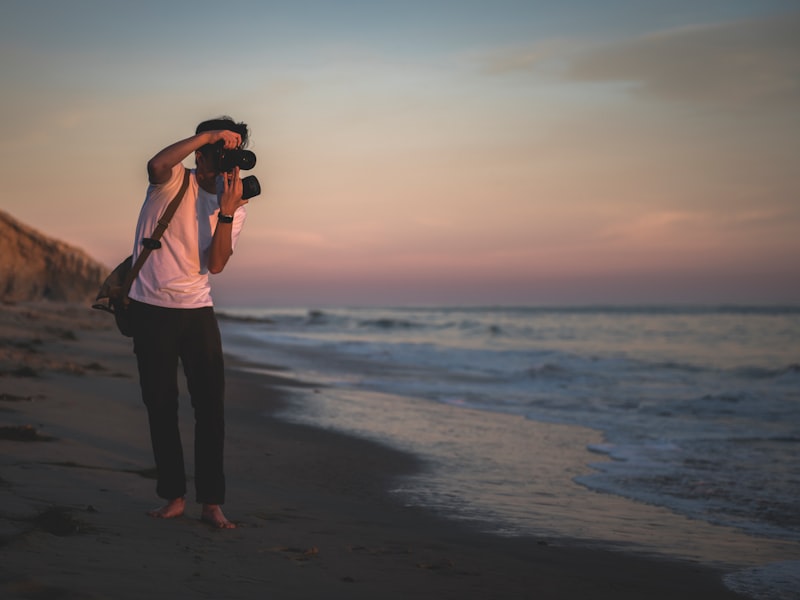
171 185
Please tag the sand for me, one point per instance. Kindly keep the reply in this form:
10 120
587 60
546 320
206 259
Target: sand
313 513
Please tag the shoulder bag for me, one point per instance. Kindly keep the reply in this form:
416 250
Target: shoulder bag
113 294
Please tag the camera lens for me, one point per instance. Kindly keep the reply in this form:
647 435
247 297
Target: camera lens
245 159
250 187
228 159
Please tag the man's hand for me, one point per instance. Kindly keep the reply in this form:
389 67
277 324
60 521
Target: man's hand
229 192
229 195
231 139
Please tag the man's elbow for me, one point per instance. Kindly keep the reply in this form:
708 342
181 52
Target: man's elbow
157 171
216 264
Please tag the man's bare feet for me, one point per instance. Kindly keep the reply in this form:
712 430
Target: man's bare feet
212 514
172 509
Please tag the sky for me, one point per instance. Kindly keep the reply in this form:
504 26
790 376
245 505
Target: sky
433 152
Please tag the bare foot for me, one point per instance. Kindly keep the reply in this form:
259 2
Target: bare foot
212 514
172 509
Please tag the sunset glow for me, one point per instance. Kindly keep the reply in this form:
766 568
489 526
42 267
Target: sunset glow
431 153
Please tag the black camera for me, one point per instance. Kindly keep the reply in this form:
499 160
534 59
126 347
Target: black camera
250 187
227 159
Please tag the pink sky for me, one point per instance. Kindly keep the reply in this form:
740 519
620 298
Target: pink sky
656 163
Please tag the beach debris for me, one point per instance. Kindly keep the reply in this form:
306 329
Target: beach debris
94 366
392 549
4 397
22 433
23 371
444 563
23 587
59 521
299 554
62 334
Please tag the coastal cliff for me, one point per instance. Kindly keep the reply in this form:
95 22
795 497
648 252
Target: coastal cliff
34 266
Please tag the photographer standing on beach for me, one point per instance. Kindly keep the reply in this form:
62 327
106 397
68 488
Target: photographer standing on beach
173 312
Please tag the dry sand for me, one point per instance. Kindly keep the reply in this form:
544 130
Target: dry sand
314 518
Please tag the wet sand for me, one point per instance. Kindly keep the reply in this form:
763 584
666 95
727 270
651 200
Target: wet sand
313 513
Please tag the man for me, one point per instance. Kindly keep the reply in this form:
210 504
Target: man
173 311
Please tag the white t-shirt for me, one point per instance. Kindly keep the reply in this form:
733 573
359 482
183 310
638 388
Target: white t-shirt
176 275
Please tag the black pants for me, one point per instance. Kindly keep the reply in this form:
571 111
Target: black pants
161 337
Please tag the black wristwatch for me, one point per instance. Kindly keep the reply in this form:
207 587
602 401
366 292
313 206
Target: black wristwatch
225 218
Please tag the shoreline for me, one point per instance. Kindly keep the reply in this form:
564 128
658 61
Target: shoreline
315 516
472 475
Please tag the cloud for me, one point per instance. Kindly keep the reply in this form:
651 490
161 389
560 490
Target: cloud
738 65
519 58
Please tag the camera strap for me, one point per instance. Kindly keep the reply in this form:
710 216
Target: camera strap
153 243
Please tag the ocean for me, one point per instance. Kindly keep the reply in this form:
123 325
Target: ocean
673 430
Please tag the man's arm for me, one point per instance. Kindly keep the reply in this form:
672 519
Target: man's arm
230 200
159 168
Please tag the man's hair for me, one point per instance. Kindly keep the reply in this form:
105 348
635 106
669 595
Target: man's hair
224 122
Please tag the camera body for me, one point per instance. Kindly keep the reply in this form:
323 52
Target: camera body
228 159
250 187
